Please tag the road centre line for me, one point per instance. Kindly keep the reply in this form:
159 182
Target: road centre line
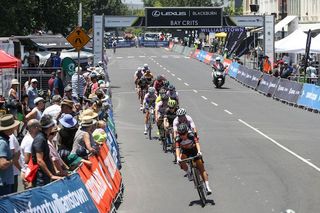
130 56
195 91
142 56
118 57
179 79
153 56
164 68
230 113
173 74
205 98
214 103
186 84
160 65
281 146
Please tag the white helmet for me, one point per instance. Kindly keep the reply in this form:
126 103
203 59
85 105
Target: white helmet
145 65
218 58
181 111
139 68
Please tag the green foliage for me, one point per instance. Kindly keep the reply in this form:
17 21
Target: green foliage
22 17
177 3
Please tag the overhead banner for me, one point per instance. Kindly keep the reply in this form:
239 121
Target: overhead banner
246 21
223 29
66 195
123 21
183 17
234 40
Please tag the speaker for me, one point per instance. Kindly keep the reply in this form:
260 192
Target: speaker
254 8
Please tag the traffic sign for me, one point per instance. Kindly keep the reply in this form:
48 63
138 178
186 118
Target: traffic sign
78 38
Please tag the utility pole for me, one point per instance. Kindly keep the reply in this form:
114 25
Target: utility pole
282 17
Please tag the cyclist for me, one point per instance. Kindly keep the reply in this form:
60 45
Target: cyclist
114 46
182 117
145 67
169 115
158 83
148 75
149 100
159 114
166 84
142 89
187 145
172 93
161 92
137 75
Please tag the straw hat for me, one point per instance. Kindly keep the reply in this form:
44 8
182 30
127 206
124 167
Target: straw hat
15 82
88 113
7 122
67 102
87 121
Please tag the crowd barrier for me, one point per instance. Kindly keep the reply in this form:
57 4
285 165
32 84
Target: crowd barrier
154 43
305 95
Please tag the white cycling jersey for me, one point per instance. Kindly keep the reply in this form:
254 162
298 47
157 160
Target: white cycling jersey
186 119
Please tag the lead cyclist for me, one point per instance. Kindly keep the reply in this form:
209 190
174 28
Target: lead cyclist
149 100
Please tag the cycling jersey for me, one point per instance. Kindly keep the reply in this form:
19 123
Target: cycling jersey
157 85
170 115
149 100
138 74
149 77
188 143
158 99
161 108
173 95
185 119
143 84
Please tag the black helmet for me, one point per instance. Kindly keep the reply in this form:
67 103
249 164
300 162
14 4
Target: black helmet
162 91
164 97
182 128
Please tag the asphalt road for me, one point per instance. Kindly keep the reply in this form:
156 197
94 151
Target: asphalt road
261 155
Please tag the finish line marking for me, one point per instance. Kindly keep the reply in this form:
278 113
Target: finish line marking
281 146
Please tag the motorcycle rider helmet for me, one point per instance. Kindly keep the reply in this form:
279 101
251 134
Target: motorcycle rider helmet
182 128
218 58
181 112
151 90
172 103
139 69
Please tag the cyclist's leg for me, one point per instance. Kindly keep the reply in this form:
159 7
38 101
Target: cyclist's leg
183 165
202 170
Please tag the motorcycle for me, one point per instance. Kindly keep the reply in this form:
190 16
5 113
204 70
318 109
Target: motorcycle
219 76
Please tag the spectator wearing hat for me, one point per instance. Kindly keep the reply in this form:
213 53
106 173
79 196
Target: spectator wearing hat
33 127
13 96
41 153
58 88
66 134
36 112
83 136
51 82
59 166
7 128
55 107
68 93
94 82
78 83
287 70
32 93
99 136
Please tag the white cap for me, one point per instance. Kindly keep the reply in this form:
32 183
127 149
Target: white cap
34 80
38 99
78 69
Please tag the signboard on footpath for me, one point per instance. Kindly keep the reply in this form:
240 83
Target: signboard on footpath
98 38
183 17
269 37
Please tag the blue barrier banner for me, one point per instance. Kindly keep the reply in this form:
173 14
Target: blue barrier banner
202 55
288 91
113 146
310 96
155 43
66 195
233 70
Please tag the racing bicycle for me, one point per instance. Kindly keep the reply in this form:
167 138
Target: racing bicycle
197 179
150 121
168 140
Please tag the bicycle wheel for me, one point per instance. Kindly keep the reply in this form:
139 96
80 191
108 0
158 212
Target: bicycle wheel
164 144
199 186
150 126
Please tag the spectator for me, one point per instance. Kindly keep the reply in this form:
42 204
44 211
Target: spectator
41 153
58 88
13 97
36 112
266 64
7 128
51 82
78 83
33 59
24 105
59 166
94 85
99 136
32 93
66 134
56 61
84 136
33 127
55 107
287 70
15 150
68 93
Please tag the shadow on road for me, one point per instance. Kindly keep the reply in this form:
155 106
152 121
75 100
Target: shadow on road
199 203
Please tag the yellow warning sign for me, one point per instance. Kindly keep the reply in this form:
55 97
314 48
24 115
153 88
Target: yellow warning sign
78 38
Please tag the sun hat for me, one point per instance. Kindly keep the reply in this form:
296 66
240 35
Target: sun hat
38 99
68 121
8 122
56 98
99 136
69 103
88 113
87 121
15 82
68 88
34 80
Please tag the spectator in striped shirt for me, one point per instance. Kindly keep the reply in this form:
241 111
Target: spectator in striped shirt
78 83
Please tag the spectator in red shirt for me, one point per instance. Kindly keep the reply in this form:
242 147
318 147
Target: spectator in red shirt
51 82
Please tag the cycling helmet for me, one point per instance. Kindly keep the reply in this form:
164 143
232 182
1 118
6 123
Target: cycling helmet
171 87
159 77
145 65
166 83
182 128
181 111
218 58
139 69
172 103
151 90
162 91
164 97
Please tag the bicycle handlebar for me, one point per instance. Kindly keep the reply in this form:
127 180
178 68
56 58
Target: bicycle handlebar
189 159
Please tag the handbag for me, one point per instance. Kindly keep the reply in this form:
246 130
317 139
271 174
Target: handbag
31 171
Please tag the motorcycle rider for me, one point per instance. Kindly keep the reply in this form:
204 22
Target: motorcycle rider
149 100
217 65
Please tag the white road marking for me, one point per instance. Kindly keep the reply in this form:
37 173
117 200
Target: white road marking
157 63
214 103
153 56
230 113
119 57
195 91
160 65
281 146
186 57
164 68
173 74
142 56
168 71
130 56
205 98
186 84
179 79
164 56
